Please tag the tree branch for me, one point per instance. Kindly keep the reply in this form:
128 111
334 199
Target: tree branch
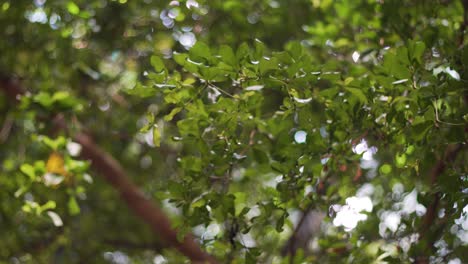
133 245
11 88
431 214
113 173
437 170
306 228
309 223
464 23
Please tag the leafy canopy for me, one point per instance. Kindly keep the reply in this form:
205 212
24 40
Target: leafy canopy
237 118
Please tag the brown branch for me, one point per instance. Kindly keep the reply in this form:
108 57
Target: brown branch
449 156
251 142
133 245
359 138
112 172
11 88
307 226
464 23
431 214
439 168
358 174
302 234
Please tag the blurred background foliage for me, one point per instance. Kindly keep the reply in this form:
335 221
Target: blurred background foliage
237 117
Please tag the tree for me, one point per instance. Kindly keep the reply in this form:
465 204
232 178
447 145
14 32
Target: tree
229 131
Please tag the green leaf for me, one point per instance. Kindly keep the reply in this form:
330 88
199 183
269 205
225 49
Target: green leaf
260 156
182 231
177 96
416 50
150 117
28 170
54 144
157 64
73 8
329 93
158 77
60 95
182 59
277 166
266 65
200 49
44 99
410 149
402 55
395 67
21 191
242 51
283 57
259 50
173 112
188 127
419 131
212 74
400 160
358 94
385 168
156 136
48 205
280 223
192 164
73 207
295 49
244 211
227 55
141 91
227 204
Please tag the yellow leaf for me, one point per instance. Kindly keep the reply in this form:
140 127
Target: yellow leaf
56 164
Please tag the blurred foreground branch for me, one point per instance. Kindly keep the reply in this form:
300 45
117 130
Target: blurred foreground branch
115 175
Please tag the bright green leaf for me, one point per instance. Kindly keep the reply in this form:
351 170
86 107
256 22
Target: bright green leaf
73 8
73 207
156 136
385 168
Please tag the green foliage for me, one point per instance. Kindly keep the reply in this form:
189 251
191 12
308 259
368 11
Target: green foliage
236 116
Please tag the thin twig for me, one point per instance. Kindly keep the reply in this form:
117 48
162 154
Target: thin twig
220 90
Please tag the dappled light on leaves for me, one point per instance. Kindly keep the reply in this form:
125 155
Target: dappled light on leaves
233 131
350 215
300 136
